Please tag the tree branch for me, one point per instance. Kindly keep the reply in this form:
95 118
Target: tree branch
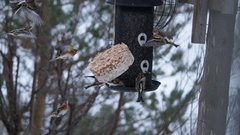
180 106
117 114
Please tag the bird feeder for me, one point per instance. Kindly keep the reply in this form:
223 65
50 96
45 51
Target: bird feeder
134 21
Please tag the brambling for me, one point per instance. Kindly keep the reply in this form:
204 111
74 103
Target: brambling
159 38
29 9
140 86
67 53
63 48
115 82
24 32
61 110
95 83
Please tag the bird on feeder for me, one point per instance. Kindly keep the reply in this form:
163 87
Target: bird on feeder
140 86
61 110
29 9
115 82
66 52
24 32
159 38
95 83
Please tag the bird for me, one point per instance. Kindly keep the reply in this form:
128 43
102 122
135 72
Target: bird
24 32
61 110
140 86
115 82
67 53
63 48
159 38
29 9
95 83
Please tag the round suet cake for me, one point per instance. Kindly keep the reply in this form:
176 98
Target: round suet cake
111 63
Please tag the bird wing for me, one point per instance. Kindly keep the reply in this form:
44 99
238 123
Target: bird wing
162 34
62 107
63 48
137 80
33 16
22 33
142 83
64 56
157 37
26 34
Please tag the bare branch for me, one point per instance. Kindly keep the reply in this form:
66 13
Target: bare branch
180 106
117 114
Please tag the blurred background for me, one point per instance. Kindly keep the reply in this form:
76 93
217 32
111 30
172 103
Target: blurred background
31 88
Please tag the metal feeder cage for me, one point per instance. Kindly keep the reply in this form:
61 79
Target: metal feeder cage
164 13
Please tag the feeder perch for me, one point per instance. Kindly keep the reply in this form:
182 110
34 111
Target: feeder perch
164 13
134 21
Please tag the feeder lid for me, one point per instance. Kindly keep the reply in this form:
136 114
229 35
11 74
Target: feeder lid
136 3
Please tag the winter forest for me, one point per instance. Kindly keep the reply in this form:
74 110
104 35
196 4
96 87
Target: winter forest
44 93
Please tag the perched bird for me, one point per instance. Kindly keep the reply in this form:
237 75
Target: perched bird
63 48
95 83
114 82
24 32
159 38
29 9
61 110
66 53
140 86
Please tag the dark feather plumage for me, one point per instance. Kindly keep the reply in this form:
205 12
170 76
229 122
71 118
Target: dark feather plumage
140 85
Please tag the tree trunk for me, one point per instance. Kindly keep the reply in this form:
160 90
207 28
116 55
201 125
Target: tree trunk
233 127
43 50
213 100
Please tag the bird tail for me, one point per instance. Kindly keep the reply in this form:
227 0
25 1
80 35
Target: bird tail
140 98
94 85
171 43
54 59
89 86
90 76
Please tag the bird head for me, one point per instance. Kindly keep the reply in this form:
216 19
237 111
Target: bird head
65 102
75 51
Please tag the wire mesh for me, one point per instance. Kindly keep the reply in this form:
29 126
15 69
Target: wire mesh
163 14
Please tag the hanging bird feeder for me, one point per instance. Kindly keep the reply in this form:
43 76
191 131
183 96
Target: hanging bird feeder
134 26
164 13
129 61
